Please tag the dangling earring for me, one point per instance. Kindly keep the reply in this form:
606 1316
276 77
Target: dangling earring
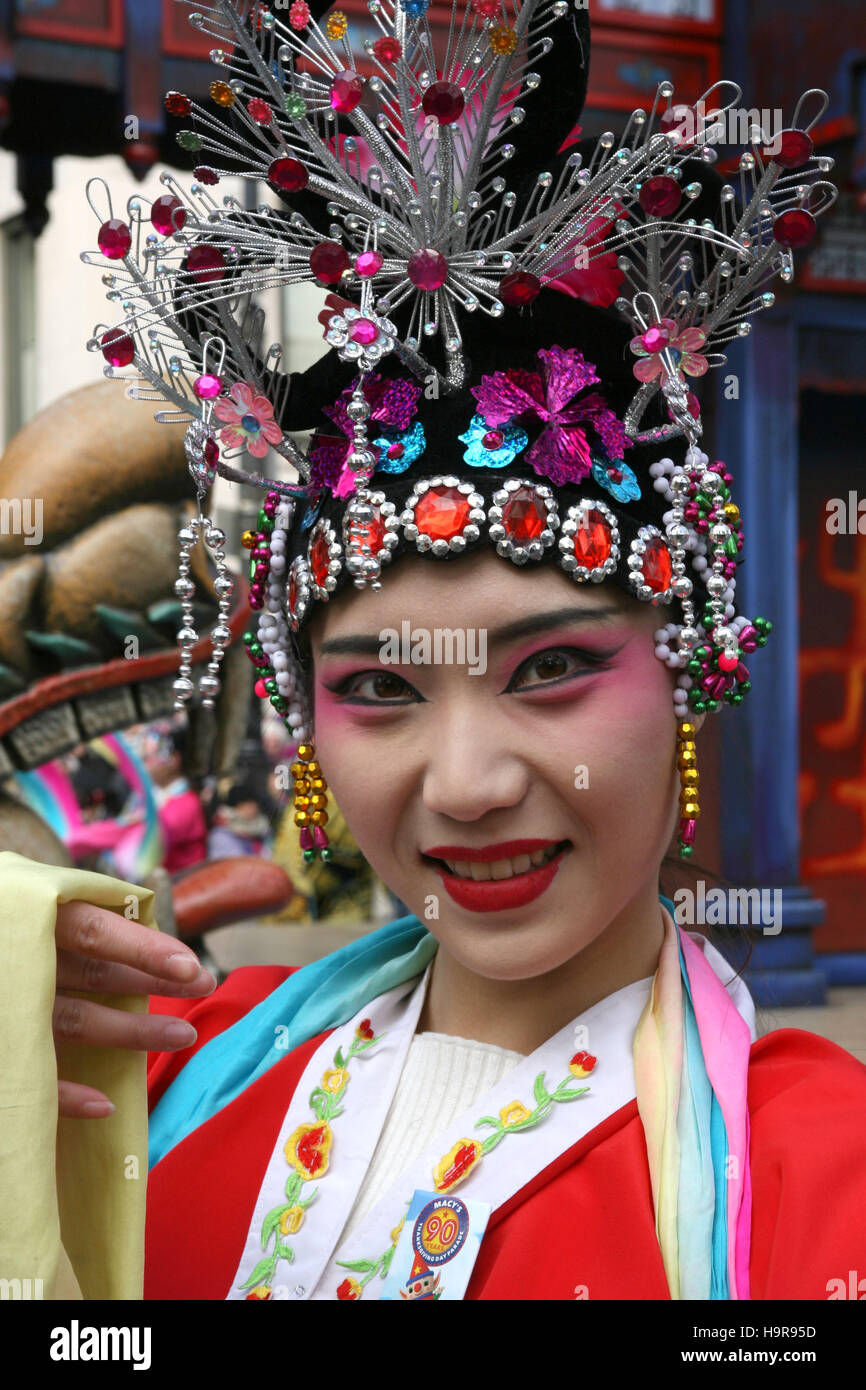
687 762
311 803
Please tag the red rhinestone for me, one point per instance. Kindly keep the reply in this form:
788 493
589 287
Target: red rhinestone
519 288
368 263
114 239
374 531
206 264
293 593
489 9
320 560
260 111
445 101
524 516
117 348
794 228
493 439
211 452
660 196
387 50
176 104
592 539
288 174
442 513
205 174
795 147
167 214
328 261
656 566
395 451
615 475
346 90
427 268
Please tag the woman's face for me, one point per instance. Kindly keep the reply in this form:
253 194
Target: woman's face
457 780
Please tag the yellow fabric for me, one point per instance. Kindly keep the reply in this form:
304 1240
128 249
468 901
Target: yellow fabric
72 1192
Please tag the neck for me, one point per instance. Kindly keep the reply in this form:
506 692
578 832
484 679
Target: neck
522 1014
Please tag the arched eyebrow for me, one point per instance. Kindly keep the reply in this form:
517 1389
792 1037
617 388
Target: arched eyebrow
370 645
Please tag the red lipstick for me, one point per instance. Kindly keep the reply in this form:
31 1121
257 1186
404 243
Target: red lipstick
496 895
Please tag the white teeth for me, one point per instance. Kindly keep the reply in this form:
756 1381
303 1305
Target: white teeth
481 870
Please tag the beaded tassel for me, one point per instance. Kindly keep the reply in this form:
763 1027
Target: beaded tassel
687 762
311 803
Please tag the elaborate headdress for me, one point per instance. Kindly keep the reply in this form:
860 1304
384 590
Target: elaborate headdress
518 321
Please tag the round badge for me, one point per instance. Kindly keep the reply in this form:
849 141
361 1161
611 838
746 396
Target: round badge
440 1230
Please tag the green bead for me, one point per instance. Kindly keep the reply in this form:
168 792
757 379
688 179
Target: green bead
685 851
264 523
188 140
327 855
295 106
253 564
700 706
730 547
309 855
280 703
256 648
736 699
703 501
249 638
712 706
745 687
271 687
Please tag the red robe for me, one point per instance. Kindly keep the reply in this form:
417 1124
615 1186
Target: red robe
584 1227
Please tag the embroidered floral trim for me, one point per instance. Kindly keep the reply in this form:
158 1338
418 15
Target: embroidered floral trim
307 1151
464 1156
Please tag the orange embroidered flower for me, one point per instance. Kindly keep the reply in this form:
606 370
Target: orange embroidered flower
291 1221
260 1291
307 1149
364 1030
349 1289
582 1064
456 1165
514 1113
395 1234
335 1080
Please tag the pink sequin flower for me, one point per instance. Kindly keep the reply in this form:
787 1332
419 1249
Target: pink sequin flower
682 346
248 420
393 406
562 451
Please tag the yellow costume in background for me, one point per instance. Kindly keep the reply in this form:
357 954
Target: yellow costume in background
340 891
72 1192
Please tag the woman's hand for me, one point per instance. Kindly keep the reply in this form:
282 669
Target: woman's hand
102 952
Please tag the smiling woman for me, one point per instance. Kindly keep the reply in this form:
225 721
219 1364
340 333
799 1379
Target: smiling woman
534 1085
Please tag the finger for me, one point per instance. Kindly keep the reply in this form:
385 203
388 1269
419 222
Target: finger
78 1102
96 976
95 1025
87 930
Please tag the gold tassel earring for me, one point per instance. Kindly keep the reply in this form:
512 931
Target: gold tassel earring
687 762
311 803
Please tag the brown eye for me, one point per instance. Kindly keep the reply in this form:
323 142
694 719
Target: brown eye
551 665
388 687
558 664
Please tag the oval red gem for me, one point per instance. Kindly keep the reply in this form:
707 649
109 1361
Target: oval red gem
167 214
117 348
288 174
794 228
328 261
656 567
293 593
205 174
427 268
519 288
493 439
660 196
346 90
524 516
793 148
445 101
206 264
442 513
592 539
374 532
320 560
114 239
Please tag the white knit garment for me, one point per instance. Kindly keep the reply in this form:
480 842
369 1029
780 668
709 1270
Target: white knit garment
443 1076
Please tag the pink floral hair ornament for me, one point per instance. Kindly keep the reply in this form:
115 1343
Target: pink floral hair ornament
393 405
248 420
681 348
562 451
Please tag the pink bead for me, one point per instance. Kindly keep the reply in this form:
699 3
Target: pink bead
306 837
167 214
493 439
368 263
687 831
114 239
207 387
656 338
346 90
728 662
363 331
259 688
427 268
660 196
117 347
319 837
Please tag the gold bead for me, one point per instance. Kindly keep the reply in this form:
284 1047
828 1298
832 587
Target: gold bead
222 94
306 751
689 776
691 810
302 785
301 803
731 511
686 730
313 769
318 803
298 769
319 817
248 540
302 818
318 784
687 758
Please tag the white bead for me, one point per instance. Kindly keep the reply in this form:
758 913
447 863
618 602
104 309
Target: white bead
663 651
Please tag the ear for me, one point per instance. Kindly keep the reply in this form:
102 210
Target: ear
698 721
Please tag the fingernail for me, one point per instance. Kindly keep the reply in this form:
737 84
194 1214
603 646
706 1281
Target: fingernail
181 1033
183 967
98 1109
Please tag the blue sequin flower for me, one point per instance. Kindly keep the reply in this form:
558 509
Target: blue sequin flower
412 441
478 455
624 488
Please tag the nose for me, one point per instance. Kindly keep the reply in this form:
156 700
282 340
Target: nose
472 765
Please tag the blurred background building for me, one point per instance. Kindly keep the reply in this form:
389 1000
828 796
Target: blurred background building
82 84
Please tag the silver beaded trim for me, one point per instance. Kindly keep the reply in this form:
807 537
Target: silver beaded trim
635 564
571 525
301 572
362 563
187 637
497 532
471 530
335 563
